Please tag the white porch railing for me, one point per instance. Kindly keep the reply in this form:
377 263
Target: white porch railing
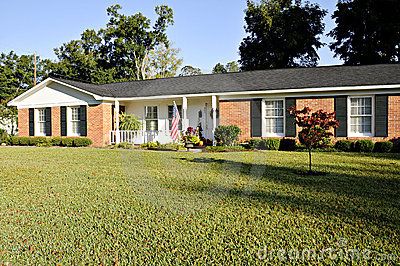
140 137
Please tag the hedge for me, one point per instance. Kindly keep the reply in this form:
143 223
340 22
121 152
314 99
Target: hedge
344 145
49 141
383 147
363 145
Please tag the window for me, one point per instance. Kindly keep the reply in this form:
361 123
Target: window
151 117
41 114
75 121
170 116
361 116
274 118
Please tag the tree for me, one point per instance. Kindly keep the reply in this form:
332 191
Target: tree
367 31
219 69
281 34
232 66
163 62
190 71
316 129
118 52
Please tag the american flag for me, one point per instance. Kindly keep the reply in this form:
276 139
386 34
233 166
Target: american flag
175 123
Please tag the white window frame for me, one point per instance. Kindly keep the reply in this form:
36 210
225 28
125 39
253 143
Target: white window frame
265 134
38 122
70 121
360 135
154 119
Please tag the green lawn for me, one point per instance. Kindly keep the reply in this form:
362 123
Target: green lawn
98 206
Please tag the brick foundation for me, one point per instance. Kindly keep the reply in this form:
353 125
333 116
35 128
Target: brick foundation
23 122
99 124
236 113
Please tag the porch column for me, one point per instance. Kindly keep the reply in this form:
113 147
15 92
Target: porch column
214 115
184 113
116 115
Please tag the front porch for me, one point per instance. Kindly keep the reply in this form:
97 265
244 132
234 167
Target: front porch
155 116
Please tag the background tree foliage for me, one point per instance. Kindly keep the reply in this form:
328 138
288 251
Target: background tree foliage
163 62
190 71
281 34
118 52
367 31
230 67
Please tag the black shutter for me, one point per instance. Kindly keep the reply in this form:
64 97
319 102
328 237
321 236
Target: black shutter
341 116
48 121
31 122
83 121
381 115
63 121
290 121
256 125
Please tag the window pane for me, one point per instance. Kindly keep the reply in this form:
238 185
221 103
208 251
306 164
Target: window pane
151 124
361 115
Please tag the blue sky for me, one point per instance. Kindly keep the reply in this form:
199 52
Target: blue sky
206 31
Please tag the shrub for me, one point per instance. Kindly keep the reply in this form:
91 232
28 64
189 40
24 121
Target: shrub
364 146
272 144
129 122
67 142
227 135
225 148
40 141
287 145
82 142
3 136
343 145
56 141
150 145
396 145
383 147
24 141
14 140
254 143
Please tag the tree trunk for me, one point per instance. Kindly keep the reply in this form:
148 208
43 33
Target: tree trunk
310 161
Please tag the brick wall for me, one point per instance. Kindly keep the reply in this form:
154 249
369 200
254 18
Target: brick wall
236 113
326 104
99 124
23 122
394 117
55 121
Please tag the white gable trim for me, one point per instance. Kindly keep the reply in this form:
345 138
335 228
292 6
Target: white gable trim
44 83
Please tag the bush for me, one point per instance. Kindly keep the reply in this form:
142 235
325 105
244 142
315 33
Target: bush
56 141
383 147
3 136
265 144
124 145
287 145
24 141
396 145
343 145
227 135
40 141
150 145
225 148
364 145
67 142
82 142
14 141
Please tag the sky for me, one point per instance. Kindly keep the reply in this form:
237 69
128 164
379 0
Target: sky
207 32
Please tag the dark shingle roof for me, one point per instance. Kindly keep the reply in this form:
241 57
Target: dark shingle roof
293 78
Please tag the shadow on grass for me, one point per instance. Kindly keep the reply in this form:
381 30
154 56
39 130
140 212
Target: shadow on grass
368 197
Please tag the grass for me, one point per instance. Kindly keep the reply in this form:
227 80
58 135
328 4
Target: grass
110 207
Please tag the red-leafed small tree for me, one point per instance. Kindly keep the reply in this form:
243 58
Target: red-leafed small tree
316 128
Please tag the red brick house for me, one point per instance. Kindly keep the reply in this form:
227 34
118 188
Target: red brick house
365 98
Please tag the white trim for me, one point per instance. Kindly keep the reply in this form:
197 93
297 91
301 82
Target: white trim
42 84
264 133
37 123
361 135
69 122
